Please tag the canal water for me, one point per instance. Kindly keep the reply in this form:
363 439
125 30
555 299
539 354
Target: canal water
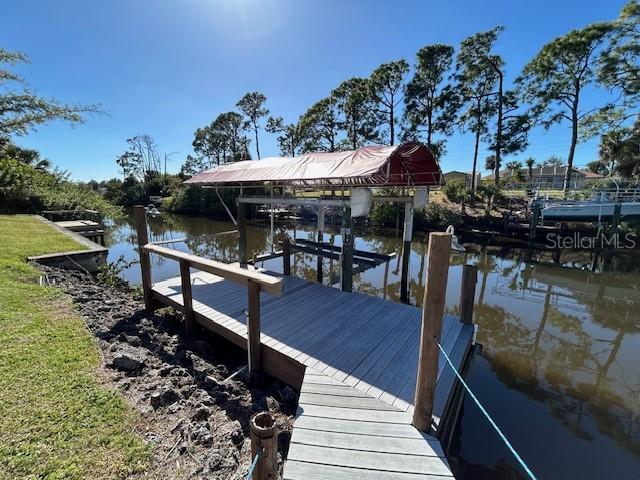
559 365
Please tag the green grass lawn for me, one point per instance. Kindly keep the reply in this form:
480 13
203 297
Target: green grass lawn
56 420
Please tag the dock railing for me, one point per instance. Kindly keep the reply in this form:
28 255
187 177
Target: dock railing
255 282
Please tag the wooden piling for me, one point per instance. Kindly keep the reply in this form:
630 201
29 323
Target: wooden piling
187 297
406 251
286 256
264 442
432 313
468 293
253 327
140 222
347 251
320 240
242 231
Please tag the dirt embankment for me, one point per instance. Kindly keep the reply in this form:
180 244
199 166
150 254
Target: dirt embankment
193 415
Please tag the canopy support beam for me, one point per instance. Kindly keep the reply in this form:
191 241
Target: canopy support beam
340 202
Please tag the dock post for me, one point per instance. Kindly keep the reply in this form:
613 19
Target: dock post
432 313
140 222
187 296
242 231
468 293
533 222
253 327
347 251
286 256
406 251
264 442
320 240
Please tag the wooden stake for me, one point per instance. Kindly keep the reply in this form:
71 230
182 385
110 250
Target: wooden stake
140 222
187 296
468 293
253 327
264 441
432 313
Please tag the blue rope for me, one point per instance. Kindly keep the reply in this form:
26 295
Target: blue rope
486 414
253 466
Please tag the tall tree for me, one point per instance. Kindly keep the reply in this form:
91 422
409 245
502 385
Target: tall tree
21 111
354 101
141 159
429 104
252 107
320 126
210 142
386 85
191 166
620 61
475 84
554 80
289 137
620 151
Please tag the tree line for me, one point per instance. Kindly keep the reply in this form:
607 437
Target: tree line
462 89
446 89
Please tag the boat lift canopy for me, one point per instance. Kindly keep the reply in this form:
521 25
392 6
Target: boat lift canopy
405 165
411 165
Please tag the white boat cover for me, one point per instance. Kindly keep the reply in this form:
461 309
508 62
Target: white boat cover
408 164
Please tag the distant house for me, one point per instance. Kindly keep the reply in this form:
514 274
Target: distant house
463 176
592 177
548 177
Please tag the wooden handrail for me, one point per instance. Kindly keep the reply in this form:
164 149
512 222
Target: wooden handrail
271 285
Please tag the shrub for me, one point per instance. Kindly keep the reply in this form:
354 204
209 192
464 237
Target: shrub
27 189
385 214
436 216
200 201
456 191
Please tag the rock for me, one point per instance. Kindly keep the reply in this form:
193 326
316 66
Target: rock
202 436
153 438
164 397
184 358
224 462
201 413
232 430
128 359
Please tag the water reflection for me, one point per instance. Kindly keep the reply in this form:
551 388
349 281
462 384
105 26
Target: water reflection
561 337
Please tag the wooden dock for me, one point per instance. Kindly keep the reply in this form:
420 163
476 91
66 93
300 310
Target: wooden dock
354 359
375 391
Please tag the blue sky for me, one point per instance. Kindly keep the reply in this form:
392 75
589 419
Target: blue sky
167 67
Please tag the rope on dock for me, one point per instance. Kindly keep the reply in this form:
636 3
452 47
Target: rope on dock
249 475
486 414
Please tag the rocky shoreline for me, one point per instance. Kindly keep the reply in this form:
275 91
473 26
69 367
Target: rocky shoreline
191 412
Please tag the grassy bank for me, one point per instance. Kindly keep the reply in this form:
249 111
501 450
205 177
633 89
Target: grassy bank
56 420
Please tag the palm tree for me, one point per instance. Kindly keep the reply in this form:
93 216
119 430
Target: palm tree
529 162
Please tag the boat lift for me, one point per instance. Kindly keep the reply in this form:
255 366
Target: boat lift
356 179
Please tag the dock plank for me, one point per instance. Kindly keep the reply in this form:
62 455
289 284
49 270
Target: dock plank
354 412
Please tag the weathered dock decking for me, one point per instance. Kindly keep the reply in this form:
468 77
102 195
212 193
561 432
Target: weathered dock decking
354 359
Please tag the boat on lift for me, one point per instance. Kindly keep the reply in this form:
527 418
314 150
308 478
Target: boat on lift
599 207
